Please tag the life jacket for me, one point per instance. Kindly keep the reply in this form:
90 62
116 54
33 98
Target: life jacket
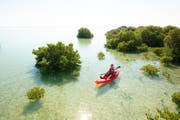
111 70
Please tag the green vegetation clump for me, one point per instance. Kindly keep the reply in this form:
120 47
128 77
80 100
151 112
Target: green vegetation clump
123 46
112 44
150 70
150 116
164 114
172 41
151 35
127 46
162 51
158 51
122 40
84 33
142 48
145 55
164 40
176 98
76 73
57 58
35 94
166 59
168 28
101 55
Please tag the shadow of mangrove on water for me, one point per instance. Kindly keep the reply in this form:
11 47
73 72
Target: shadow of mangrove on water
57 79
103 88
31 108
51 79
84 42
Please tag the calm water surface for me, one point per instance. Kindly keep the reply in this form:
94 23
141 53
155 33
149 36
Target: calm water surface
68 98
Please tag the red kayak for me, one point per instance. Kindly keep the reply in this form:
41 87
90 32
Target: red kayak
109 79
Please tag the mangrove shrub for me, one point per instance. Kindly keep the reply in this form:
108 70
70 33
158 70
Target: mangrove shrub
84 33
142 48
35 94
76 73
152 36
164 114
150 70
166 59
122 40
176 98
101 55
168 28
57 58
172 41
158 51
165 41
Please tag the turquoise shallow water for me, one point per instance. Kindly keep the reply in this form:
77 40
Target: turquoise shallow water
69 98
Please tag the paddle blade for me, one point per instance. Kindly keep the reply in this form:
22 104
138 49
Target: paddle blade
117 67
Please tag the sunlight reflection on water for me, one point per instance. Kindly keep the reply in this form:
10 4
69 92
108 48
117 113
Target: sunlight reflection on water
85 116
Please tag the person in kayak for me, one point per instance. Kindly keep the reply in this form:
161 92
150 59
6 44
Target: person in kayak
110 72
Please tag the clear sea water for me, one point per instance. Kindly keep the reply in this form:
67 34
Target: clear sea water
67 98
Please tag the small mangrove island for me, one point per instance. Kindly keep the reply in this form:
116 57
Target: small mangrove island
57 58
101 55
84 33
35 94
150 70
164 41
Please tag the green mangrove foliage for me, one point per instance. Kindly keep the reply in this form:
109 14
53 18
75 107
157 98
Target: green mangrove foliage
165 54
127 39
142 48
152 36
84 33
164 114
176 98
172 41
123 40
57 58
76 73
35 94
101 55
150 70
158 51
168 28
166 59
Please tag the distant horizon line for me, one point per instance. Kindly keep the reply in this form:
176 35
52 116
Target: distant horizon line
67 26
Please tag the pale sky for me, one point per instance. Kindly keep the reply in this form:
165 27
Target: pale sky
89 12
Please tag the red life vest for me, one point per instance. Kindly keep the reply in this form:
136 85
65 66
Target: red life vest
111 70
